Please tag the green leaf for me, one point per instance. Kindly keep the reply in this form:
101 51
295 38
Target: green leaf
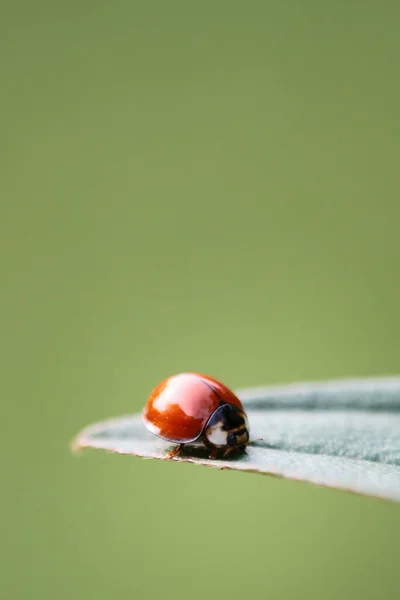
341 434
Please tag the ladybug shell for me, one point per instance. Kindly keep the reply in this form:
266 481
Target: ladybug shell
180 406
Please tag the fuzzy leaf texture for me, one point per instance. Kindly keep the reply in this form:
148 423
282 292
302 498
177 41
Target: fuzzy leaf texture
339 434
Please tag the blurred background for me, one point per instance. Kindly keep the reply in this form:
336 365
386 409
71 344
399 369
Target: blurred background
204 186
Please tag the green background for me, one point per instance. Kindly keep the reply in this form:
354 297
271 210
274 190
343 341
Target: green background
208 186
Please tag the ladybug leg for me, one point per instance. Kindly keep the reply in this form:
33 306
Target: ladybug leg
213 449
230 451
174 452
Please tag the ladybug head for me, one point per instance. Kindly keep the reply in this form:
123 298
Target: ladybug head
227 427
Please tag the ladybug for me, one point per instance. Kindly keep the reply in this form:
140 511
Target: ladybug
189 406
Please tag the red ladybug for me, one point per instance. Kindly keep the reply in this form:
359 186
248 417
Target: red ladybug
189 406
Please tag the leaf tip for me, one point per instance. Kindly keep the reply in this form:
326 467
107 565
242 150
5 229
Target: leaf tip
77 444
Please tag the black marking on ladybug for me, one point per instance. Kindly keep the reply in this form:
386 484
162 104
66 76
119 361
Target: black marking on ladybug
238 437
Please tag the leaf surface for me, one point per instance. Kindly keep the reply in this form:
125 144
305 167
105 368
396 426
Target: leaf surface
340 434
